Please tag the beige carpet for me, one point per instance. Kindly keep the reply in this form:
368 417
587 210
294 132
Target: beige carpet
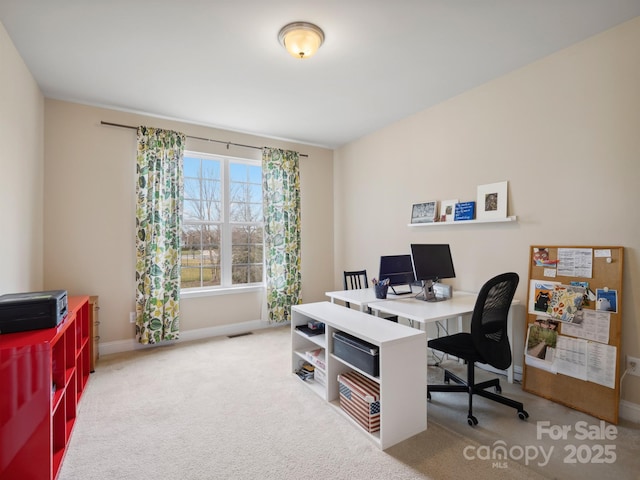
229 408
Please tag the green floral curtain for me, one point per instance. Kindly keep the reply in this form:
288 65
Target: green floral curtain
281 191
159 192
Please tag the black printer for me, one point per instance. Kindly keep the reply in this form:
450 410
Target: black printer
32 310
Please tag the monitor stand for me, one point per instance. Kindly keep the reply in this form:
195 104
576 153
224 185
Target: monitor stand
401 293
428 292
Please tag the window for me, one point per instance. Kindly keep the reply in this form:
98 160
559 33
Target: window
222 222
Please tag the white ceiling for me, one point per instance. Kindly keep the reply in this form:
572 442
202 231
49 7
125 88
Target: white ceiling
219 63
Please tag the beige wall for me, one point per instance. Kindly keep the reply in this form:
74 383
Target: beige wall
21 173
563 131
90 216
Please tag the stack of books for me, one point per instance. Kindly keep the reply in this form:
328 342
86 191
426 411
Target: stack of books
305 372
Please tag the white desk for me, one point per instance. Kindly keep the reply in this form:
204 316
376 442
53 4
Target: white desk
459 306
362 297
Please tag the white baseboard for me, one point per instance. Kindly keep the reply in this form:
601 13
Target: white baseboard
629 411
517 371
119 346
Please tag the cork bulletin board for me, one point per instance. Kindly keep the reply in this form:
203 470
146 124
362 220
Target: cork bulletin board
574 323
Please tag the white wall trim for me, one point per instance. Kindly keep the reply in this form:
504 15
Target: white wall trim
211 292
517 371
119 346
629 411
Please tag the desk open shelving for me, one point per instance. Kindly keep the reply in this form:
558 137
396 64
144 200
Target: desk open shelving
403 390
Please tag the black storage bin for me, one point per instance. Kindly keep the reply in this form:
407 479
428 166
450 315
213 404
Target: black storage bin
357 352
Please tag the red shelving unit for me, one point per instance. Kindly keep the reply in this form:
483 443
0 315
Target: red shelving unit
43 374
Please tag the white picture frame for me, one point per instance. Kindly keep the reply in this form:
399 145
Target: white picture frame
492 201
447 210
425 212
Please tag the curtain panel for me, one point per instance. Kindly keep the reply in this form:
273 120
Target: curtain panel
159 192
281 204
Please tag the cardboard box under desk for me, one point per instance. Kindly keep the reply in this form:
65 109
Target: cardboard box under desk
360 399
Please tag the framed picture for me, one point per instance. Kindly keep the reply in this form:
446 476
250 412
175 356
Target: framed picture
492 200
426 212
447 210
464 211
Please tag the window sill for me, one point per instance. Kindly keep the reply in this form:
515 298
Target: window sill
212 292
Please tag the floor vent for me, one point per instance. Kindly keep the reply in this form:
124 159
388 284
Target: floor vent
239 335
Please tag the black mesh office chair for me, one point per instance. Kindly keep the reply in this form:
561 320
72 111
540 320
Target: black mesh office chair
487 343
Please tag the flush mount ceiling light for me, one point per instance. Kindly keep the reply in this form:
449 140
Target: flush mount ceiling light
301 39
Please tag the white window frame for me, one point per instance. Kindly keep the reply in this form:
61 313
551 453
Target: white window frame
226 286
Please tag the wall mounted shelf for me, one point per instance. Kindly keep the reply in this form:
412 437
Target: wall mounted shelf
511 218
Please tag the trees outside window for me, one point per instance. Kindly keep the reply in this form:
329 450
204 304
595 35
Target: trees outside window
222 228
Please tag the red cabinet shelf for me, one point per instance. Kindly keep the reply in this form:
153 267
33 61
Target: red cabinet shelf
43 374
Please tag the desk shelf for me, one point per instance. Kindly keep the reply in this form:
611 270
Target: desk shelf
512 218
320 340
351 367
403 409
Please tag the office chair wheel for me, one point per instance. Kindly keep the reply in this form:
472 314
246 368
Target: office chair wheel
428 396
523 415
498 389
472 421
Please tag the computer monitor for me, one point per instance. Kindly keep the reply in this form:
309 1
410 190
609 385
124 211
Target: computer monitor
399 270
431 263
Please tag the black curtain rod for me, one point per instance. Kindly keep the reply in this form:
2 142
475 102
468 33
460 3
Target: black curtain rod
194 138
